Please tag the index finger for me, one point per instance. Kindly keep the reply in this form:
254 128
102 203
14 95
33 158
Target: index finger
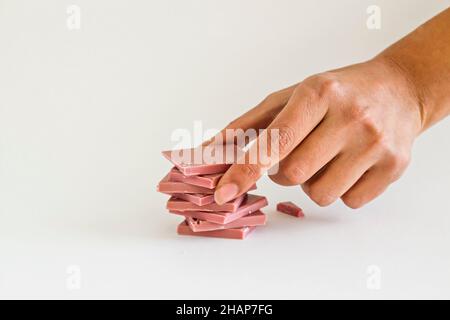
300 116
255 119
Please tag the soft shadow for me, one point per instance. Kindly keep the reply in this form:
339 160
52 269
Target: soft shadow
277 220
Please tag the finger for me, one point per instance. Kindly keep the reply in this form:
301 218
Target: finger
256 118
298 118
373 183
319 148
337 177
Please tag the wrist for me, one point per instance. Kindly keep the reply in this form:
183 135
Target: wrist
407 87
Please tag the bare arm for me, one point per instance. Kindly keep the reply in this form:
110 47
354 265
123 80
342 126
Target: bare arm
424 56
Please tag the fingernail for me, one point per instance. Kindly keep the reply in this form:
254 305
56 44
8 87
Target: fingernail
226 193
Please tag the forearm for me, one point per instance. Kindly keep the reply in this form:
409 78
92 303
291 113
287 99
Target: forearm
423 57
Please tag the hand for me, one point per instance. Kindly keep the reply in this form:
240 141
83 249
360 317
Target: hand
345 133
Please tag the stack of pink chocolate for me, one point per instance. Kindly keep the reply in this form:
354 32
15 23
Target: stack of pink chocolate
191 186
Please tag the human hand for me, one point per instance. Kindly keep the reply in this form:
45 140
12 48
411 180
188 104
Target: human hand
345 133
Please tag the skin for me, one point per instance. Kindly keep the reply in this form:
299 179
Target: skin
348 133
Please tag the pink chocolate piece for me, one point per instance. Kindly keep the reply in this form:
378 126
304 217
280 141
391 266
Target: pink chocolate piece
167 186
171 187
181 205
254 219
251 204
238 233
207 181
198 199
290 209
201 161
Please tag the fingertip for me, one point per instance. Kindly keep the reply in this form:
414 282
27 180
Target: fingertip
226 192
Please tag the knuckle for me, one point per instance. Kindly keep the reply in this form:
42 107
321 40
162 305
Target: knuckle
250 171
295 173
373 131
326 84
320 197
330 87
396 164
370 128
378 146
382 144
352 201
289 176
308 93
359 113
285 137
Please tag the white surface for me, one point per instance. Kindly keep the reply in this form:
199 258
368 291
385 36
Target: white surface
85 113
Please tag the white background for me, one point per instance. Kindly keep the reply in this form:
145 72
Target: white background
85 113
